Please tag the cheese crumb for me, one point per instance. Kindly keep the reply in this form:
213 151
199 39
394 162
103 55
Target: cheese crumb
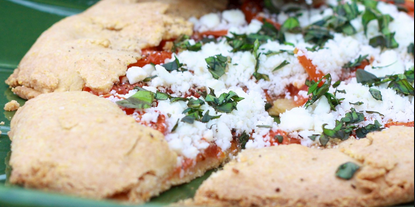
12 106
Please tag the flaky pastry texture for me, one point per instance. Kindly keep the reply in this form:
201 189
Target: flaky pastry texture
80 144
93 49
299 176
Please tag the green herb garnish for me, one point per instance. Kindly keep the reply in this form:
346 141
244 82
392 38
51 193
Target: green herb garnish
282 65
243 139
347 171
141 100
401 83
225 103
376 94
183 43
217 65
358 62
316 91
174 66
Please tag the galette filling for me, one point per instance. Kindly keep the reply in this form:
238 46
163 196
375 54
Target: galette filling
261 75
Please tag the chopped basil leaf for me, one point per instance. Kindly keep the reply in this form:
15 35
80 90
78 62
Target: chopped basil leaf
264 126
257 54
401 83
268 106
148 79
243 139
319 91
225 103
177 99
347 171
161 96
337 84
207 118
277 119
402 86
340 21
190 119
279 138
357 103
353 117
271 7
376 94
175 126
174 66
291 25
314 137
317 35
358 62
384 41
140 100
362 132
374 112
240 42
269 53
217 65
324 140
282 65
183 43
411 49
365 77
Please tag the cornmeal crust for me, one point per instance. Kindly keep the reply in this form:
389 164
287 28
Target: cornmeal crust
299 176
81 144
94 49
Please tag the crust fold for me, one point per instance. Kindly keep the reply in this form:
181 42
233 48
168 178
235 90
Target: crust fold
299 176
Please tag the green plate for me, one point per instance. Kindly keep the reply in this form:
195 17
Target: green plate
21 23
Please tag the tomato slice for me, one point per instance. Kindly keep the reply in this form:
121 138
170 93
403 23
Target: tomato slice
216 34
309 67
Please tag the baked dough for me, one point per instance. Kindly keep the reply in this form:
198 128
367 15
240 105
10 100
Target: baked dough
81 144
299 176
94 49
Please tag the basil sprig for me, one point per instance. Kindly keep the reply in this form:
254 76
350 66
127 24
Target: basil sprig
401 83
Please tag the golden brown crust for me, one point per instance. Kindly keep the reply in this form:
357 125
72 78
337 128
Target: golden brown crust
80 144
192 8
298 176
93 49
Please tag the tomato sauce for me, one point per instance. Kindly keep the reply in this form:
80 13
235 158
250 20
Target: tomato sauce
299 100
152 56
286 141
